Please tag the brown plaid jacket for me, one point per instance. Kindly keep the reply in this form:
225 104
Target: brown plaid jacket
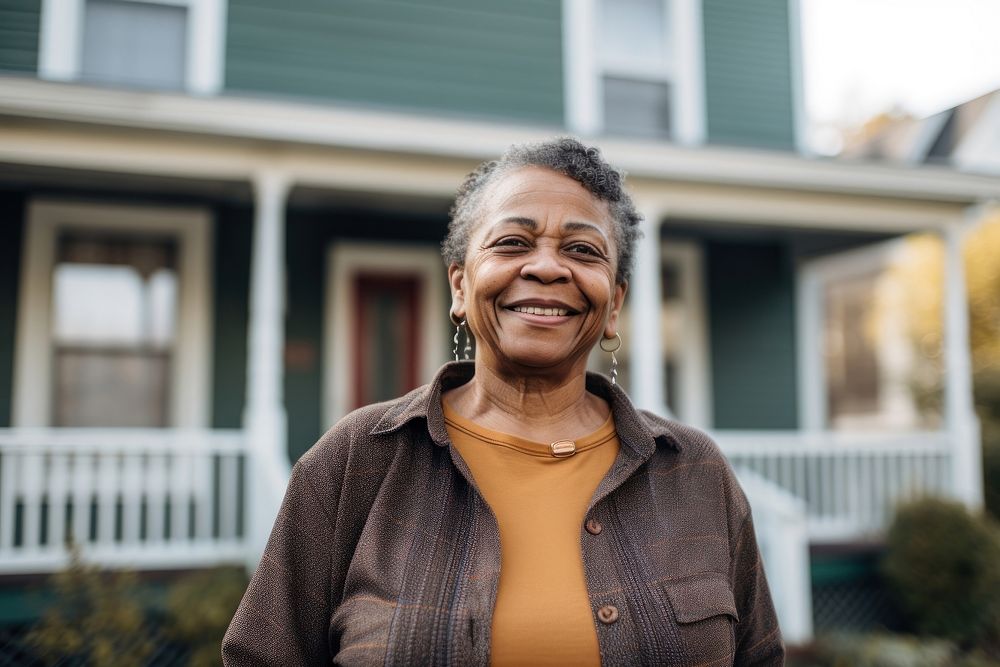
385 553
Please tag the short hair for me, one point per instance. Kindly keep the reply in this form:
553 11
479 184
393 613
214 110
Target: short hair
566 156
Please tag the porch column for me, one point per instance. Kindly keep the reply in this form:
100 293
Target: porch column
264 419
644 334
960 416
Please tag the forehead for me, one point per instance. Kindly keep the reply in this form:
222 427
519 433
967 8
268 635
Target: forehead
537 191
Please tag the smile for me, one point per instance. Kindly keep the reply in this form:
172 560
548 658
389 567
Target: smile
538 310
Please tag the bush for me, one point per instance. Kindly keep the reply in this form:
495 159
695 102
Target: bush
97 619
943 566
991 465
199 608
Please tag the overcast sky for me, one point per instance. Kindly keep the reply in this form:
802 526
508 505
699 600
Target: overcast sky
867 56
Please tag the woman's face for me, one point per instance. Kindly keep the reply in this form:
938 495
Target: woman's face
538 285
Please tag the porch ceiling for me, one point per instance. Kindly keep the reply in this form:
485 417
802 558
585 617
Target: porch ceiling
227 137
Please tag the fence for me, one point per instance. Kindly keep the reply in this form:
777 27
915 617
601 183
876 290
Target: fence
138 498
850 483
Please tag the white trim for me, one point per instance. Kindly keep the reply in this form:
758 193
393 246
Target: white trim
683 68
800 116
345 258
61 41
811 277
191 387
694 401
671 171
689 62
581 89
960 416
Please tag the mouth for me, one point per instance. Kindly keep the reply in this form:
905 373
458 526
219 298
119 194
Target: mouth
545 309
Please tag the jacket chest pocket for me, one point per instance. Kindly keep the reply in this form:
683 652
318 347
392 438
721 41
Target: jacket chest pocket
705 612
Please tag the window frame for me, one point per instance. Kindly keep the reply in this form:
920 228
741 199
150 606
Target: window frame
191 379
60 49
683 70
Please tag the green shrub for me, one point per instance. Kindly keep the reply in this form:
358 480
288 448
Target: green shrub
199 608
991 465
96 618
943 566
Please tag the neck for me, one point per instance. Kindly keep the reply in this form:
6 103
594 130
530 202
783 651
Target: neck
542 407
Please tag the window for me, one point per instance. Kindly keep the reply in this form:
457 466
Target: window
114 329
633 68
134 43
163 44
116 325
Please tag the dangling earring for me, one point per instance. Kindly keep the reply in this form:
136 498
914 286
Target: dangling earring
606 344
459 328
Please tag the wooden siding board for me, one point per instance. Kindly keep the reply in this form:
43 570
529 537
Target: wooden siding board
19 26
231 285
482 59
752 335
12 212
748 76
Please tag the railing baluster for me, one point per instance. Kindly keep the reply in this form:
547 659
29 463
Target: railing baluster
83 495
107 486
180 497
203 496
156 497
11 463
131 498
33 491
55 537
228 501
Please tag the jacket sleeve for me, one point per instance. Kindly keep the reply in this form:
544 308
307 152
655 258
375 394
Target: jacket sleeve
284 616
758 638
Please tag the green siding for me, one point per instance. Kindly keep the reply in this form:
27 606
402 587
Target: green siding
11 233
748 73
309 235
491 59
752 331
19 21
233 233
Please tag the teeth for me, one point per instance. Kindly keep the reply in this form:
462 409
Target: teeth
535 310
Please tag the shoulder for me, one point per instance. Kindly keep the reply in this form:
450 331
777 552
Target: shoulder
357 435
700 456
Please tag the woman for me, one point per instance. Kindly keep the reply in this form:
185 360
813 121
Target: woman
517 510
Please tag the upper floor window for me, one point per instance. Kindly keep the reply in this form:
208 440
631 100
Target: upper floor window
165 44
634 68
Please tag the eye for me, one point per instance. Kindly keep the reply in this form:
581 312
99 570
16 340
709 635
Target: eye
584 249
510 242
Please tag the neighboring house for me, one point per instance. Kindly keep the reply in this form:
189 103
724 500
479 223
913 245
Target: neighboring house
220 229
965 137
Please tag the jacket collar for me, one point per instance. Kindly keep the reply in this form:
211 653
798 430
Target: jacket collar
636 430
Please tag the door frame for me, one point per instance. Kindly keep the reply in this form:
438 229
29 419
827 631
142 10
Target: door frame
344 260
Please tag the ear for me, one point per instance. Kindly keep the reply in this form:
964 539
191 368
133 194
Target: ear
617 301
456 282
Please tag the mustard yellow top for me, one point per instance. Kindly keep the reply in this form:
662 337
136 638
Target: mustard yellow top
542 614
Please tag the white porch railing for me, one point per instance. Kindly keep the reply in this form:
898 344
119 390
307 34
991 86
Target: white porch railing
780 523
850 483
134 498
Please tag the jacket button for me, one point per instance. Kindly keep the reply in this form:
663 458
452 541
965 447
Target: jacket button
593 526
607 614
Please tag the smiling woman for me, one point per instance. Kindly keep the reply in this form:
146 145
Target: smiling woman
517 510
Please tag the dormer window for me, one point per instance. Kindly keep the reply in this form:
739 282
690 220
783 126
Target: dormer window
160 44
634 69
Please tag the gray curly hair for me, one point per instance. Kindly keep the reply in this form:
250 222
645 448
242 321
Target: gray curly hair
566 156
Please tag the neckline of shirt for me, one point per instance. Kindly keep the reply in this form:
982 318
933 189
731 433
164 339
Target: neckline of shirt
604 434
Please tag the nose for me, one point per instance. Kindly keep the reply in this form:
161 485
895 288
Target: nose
546 265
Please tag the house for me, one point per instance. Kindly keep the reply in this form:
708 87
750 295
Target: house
220 228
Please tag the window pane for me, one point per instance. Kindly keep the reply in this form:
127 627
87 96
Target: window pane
134 43
878 375
636 108
114 322
632 30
